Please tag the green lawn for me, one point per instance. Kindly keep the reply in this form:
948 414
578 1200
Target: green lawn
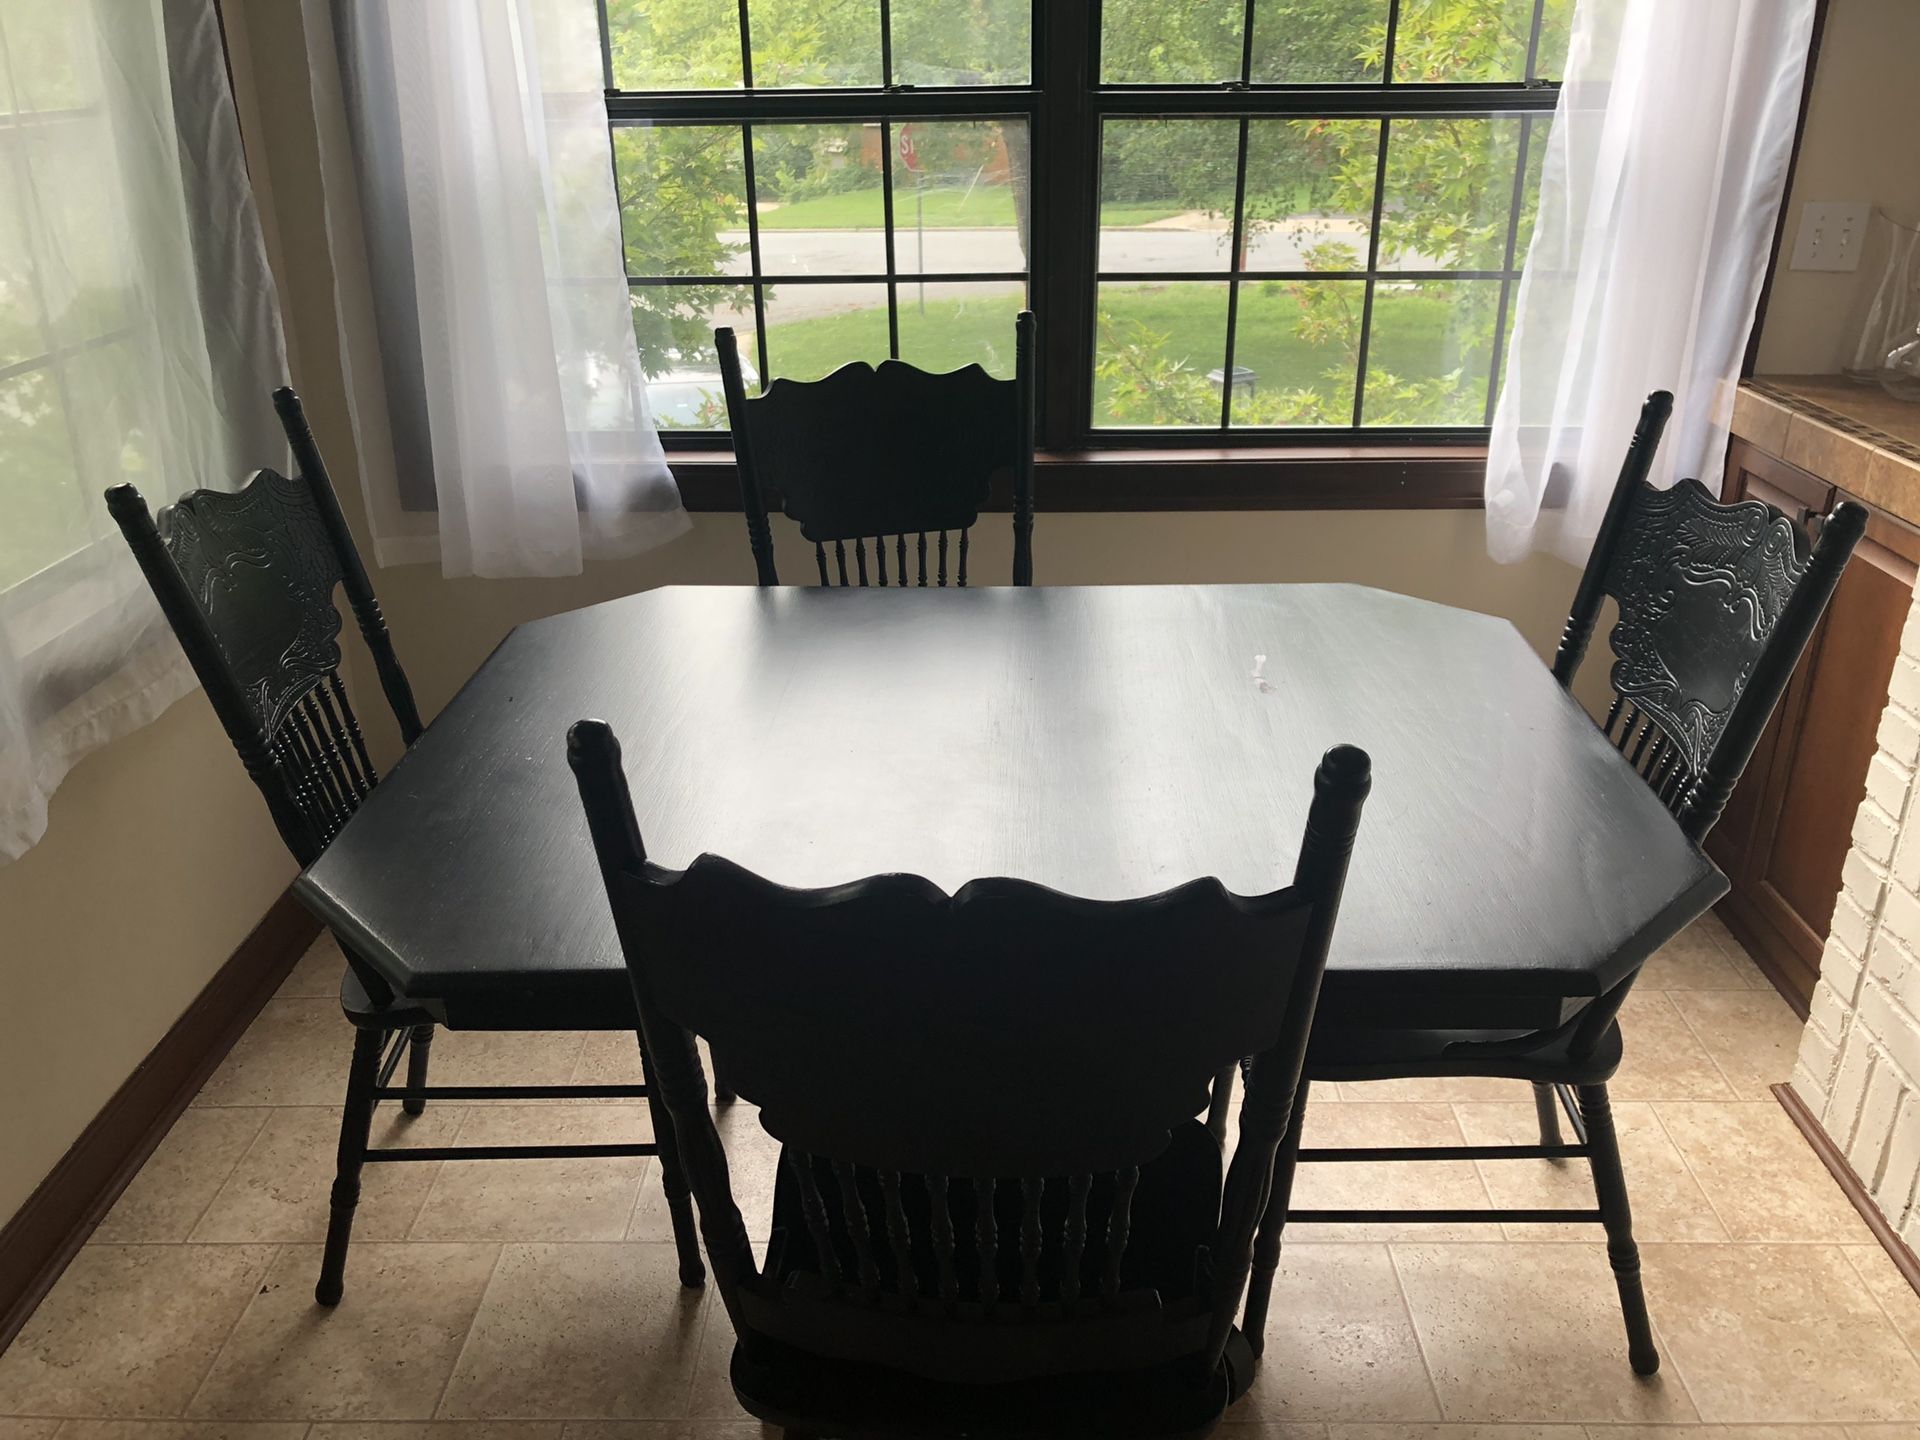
942 208
1410 337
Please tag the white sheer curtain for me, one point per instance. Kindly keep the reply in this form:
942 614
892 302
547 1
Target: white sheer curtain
139 341
1663 181
478 203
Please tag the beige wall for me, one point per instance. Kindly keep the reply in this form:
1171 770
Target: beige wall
158 859
1858 145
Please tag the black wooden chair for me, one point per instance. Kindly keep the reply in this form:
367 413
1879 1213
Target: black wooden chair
1716 604
884 454
246 579
995 1211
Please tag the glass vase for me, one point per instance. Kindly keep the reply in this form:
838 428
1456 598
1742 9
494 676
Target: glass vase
1889 323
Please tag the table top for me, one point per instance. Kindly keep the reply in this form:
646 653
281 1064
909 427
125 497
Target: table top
1108 741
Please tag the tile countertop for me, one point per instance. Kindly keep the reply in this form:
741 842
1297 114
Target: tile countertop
1856 437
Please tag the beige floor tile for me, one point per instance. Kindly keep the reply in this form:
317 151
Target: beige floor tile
753 1160
1528 1333
711 1396
1752 1036
1777 1334
1760 1174
1717 1432
586 1199
1231 1429
180 1430
317 974
671 1430
609 1057
1339 1342
383 1353
129 1330
1890 1288
1444 1184
11 1429
1883 1432
1437 1089
1466 1432
437 1430
1698 958
295 1053
1664 1059
504 1057
1667 1204
173 1188
594 1331
280 1188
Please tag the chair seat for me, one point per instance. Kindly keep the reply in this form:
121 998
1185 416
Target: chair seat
790 1387
1354 1053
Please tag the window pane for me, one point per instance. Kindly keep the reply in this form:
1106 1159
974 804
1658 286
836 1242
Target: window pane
1319 42
945 326
50 64
1456 42
818 195
20 333
960 195
1539 134
1449 192
38 488
1310 193
674 326
1427 363
962 42
1296 350
683 199
1155 349
807 42
1170 41
1556 28
812 330
686 45
1166 194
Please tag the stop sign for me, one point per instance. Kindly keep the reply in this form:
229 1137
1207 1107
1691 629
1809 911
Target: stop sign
908 157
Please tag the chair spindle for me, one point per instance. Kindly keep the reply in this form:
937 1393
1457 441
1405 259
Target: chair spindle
855 1211
986 1237
1119 1226
1078 1188
899 1237
1031 1190
943 1242
814 1207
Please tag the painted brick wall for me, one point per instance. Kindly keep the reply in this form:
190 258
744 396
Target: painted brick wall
1859 1064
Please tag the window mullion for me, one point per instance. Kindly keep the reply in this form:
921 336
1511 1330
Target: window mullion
606 44
1533 39
1064 217
886 202
753 245
1236 259
886 44
1373 249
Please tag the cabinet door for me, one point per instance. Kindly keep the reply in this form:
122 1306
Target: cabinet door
1817 783
1733 845
1786 833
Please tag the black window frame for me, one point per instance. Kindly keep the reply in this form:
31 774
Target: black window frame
1064 108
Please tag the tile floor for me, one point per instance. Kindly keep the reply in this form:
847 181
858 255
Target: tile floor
538 1299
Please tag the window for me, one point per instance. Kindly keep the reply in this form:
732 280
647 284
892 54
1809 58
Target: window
1240 221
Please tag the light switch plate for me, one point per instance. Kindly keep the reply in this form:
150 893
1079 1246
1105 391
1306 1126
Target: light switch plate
1831 234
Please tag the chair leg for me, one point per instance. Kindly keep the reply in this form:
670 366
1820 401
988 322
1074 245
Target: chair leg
356 1124
1222 1100
1547 1104
1266 1243
417 1052
1610 1187
673 1182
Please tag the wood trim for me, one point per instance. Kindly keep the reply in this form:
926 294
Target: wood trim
39 1241
1843 1174
1081 481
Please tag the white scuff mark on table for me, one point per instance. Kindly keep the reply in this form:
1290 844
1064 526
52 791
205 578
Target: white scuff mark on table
1260 681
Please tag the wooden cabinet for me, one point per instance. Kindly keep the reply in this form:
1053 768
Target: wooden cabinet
1787 829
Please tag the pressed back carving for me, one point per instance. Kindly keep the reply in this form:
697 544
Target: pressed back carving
986 1100
885 468
247 580
1716 604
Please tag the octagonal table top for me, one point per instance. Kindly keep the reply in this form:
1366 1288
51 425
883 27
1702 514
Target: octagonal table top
1108 741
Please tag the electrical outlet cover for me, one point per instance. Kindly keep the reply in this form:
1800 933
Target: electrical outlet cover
1831 235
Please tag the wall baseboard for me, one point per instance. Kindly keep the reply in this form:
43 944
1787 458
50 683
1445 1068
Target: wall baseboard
37 1243
1822 1145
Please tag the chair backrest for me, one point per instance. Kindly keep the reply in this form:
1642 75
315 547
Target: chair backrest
1717 603
246 579
894 455
968 1087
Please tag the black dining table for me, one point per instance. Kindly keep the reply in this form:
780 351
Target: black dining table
1109 741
